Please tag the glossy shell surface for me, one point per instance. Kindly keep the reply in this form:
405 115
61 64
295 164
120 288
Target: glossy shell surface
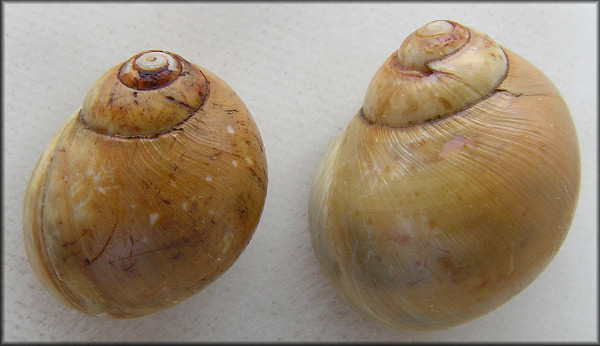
428 220
145 196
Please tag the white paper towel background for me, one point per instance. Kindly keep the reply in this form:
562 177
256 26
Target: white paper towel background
302 69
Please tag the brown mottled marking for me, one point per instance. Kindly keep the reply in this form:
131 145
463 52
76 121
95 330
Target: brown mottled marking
455 271
180 103
257 177
88 232
446 263
445 103
404 238
88 261
484 282
69 243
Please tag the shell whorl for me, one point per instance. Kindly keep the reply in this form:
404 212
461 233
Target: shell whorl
147 95
440 69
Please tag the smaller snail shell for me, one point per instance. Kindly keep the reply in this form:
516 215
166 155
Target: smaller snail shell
148 193
451 189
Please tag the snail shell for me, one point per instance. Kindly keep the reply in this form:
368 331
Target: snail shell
453 186
148 193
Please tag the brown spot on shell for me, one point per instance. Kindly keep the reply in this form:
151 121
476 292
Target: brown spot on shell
446 263
404 238
454 270
483 283
445 103
69 243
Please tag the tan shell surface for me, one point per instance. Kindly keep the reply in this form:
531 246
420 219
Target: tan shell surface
129 226
429 226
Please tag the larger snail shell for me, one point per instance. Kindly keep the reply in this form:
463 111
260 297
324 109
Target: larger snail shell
148 193
451 189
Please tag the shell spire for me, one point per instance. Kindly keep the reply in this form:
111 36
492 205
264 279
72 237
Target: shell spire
154 92
438 70
150 70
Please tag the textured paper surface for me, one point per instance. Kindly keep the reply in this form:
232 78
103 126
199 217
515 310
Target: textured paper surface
302 69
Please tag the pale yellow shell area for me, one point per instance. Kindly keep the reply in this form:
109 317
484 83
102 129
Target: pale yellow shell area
415 84
125 227
429 226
